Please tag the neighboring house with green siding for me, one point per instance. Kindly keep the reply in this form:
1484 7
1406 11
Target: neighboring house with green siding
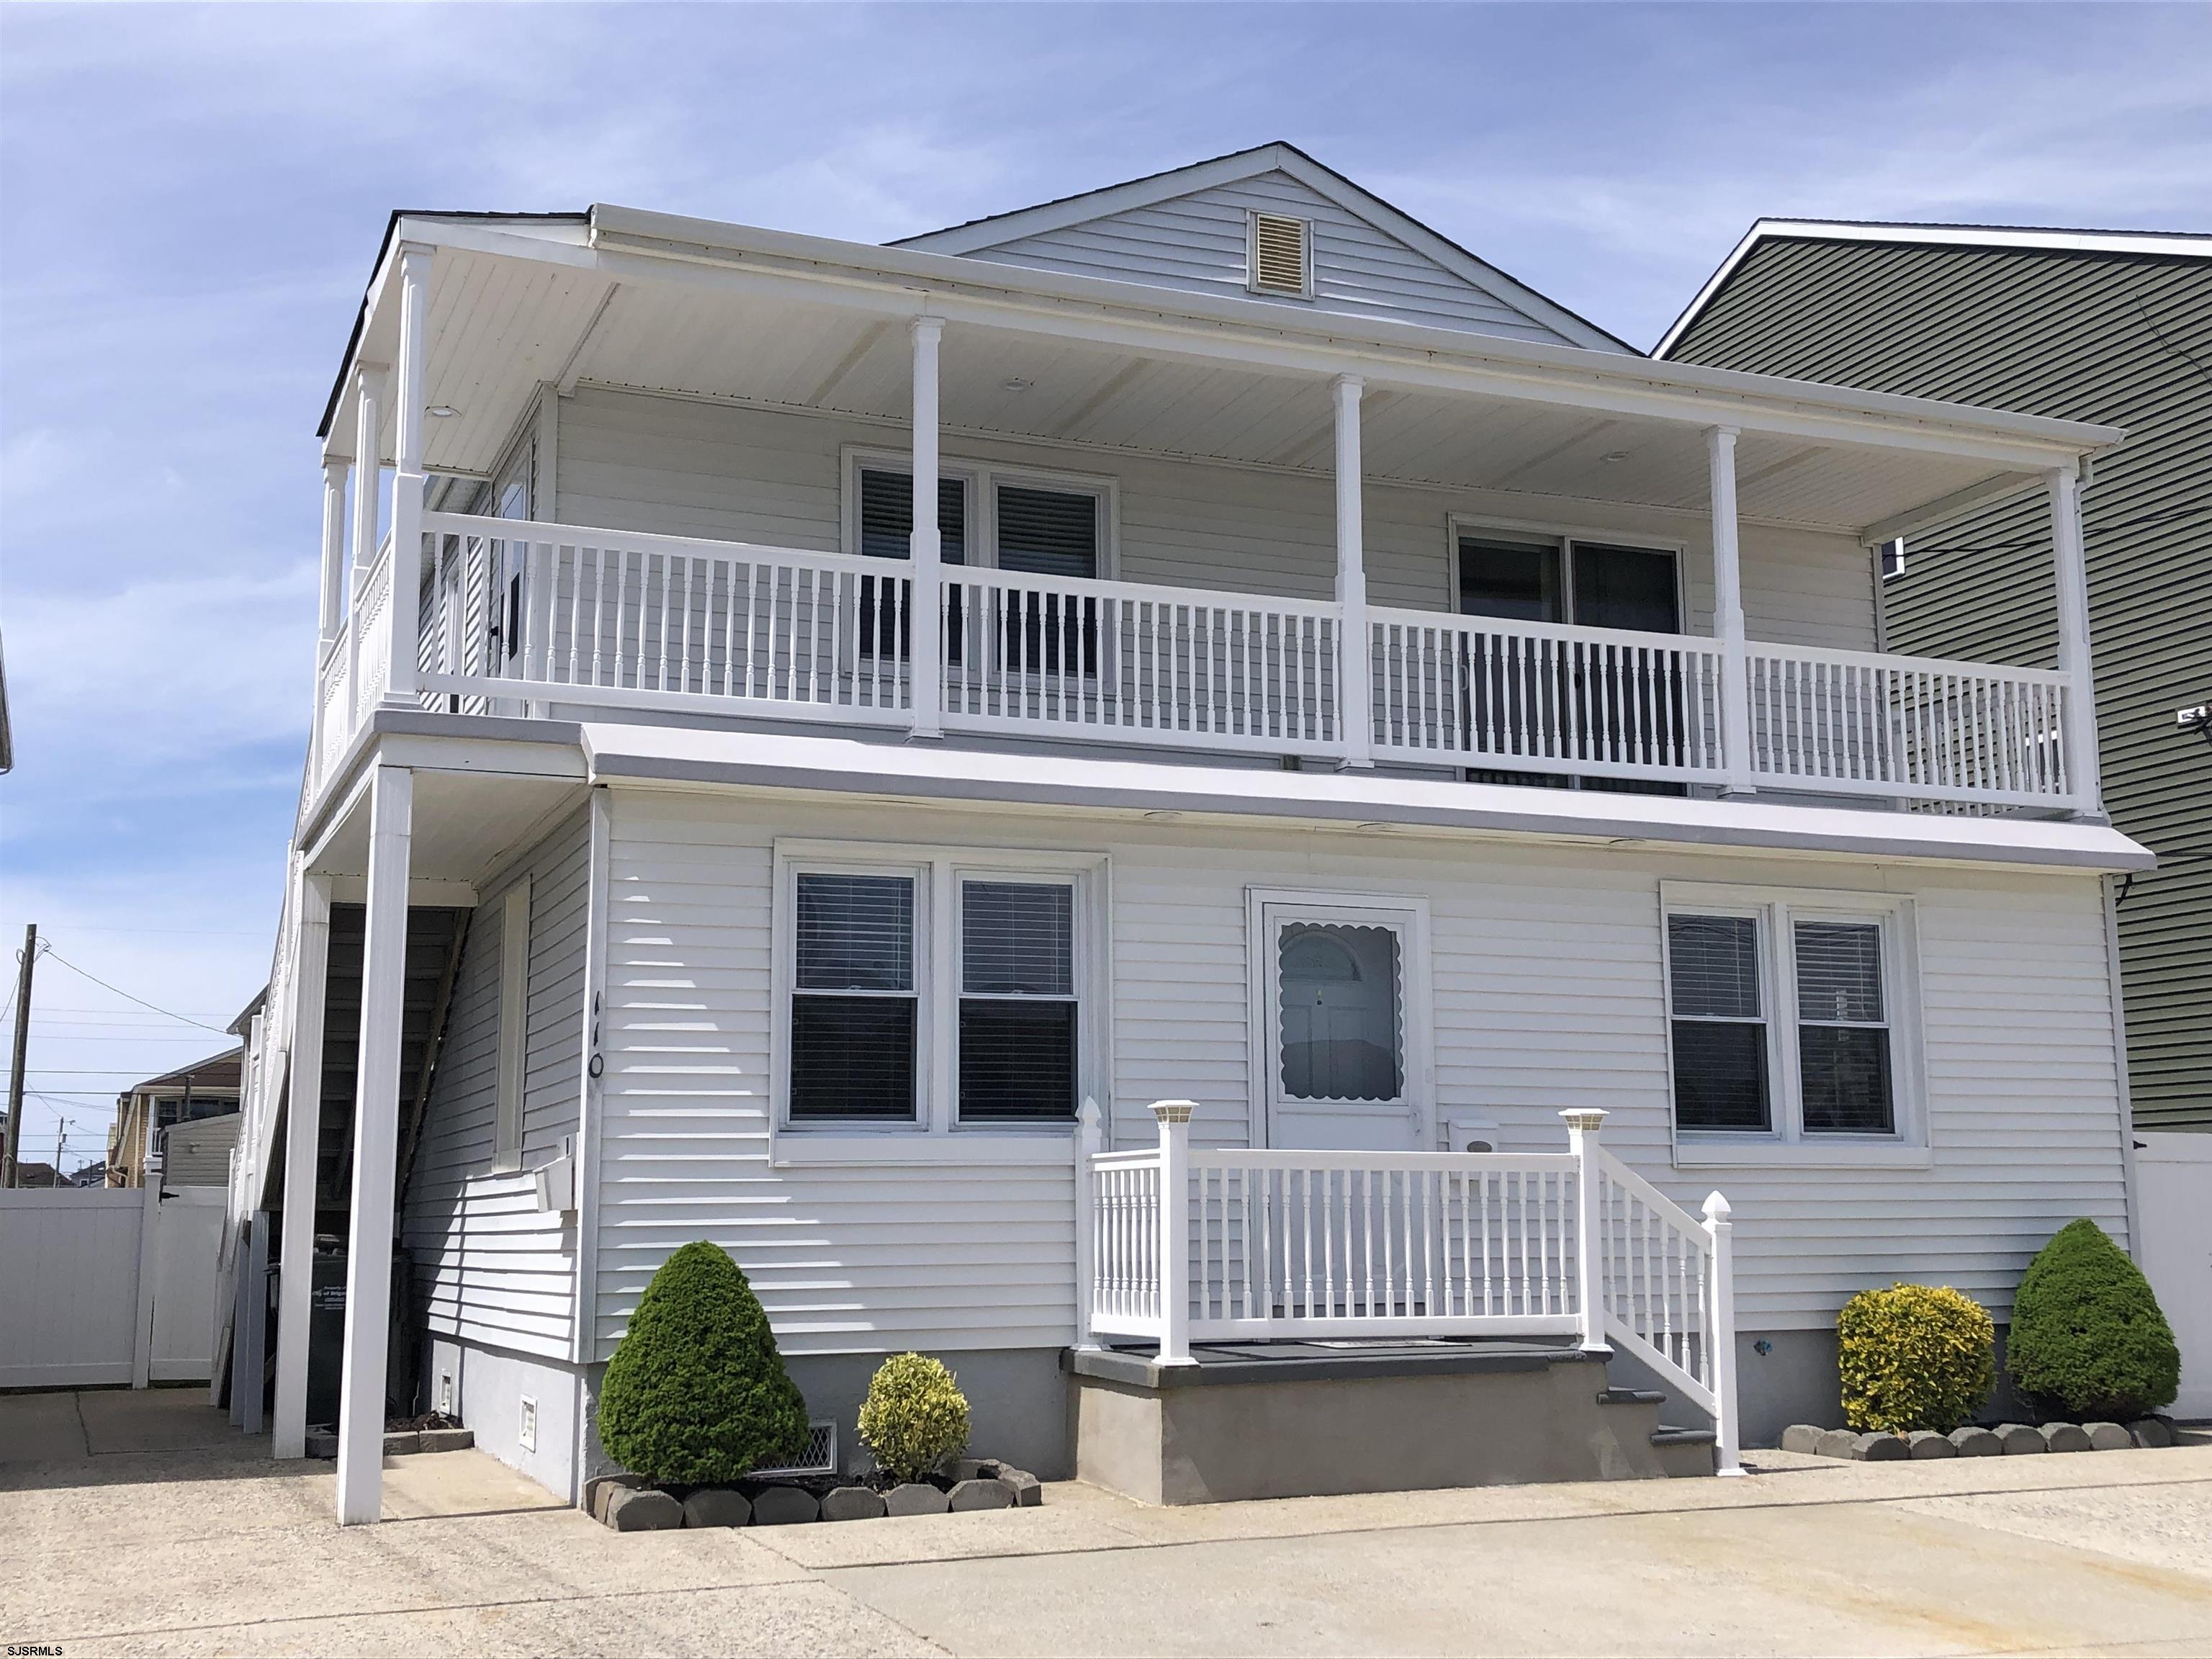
2114 327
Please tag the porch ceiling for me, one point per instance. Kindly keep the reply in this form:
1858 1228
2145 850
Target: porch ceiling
500 326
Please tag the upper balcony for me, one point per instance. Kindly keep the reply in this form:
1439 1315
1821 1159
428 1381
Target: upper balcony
647 469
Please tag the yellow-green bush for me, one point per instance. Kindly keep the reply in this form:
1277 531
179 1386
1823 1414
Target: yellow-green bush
914 1417
1914 1357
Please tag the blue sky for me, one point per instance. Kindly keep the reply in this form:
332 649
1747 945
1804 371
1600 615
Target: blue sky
192 198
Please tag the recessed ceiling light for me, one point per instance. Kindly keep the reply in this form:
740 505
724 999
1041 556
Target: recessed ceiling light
1614 455
1015 383
443 411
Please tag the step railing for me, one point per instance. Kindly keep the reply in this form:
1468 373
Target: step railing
1179 667
516 615
1177 1244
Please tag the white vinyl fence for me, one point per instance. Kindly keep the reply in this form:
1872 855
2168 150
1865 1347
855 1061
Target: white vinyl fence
108 1286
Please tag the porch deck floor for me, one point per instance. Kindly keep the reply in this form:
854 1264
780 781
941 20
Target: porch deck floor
1290 1361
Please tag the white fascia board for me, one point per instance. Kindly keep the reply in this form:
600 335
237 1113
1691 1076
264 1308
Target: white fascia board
897 283
2166 244
981 235
671 758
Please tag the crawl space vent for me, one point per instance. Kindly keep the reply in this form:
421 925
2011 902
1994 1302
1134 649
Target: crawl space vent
1281 253
820 1457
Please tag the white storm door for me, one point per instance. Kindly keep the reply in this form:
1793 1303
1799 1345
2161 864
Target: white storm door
1342 1021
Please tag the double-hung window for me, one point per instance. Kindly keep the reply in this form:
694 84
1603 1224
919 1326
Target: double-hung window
1017 1010
1787 1018
854 1011
935 993
882 529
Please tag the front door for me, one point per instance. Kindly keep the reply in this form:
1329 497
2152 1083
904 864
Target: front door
1343 1024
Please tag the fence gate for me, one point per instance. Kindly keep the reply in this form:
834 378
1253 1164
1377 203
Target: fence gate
2173 1247
108 1286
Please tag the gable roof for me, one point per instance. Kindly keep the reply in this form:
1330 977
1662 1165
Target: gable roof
998 229
2165 244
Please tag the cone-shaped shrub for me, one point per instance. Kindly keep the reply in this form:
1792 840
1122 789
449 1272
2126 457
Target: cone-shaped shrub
914 1415
696 1392
1914 1357
2088 1340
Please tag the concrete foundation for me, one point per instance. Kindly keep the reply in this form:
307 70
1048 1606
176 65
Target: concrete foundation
487 1388
1017 1403
1291 1420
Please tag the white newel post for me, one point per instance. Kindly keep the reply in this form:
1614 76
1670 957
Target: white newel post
2077 741
925 613
302 1125
1174 1118
1088 1138
376 1136
1728 614
368 405
409 398
1355 649
1583 1127
1722 1335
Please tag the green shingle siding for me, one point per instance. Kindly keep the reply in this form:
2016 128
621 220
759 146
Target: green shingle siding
2105 337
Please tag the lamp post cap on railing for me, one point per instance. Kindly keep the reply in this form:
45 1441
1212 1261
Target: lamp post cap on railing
1174 1111
1716 1207
1587 1119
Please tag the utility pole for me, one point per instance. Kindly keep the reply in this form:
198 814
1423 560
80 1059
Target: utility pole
22 1044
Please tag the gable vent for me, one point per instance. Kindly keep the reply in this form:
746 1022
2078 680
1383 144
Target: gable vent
1282 254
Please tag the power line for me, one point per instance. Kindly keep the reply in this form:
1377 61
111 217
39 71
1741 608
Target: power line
120 992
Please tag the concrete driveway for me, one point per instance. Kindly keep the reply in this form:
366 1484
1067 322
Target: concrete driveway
143 1523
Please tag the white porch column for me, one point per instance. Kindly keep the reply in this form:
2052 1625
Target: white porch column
1174 1119
1089 1135
1728 614
302 1124
1726 1424
367 490
1355 673
925 663
409 398
2078 732
334 535
376 1134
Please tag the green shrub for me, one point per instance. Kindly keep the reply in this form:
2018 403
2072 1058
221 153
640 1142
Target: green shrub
1914 1357
696 1392
914 1417
2087 1339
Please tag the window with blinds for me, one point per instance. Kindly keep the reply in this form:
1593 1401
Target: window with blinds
1719 1028
1843 1028
1049 533
854 1012
886 528
1018 1002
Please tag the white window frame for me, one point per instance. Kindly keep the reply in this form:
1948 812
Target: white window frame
1252 283
1409 913
935 1133
1776 910
513 1069
981 479
1566 535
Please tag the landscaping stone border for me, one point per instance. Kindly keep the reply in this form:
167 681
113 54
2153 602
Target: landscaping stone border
627 1503
1995 1440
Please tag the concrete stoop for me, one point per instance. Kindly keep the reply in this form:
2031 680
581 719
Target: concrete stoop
1302 1420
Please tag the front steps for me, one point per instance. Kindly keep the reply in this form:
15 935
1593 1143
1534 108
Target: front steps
1300 1420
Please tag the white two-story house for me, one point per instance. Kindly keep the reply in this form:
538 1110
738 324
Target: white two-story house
812 741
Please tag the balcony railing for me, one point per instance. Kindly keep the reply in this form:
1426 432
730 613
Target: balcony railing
513 616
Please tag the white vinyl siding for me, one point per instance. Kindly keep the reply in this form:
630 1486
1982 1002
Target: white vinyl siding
1549 993
495 1269
632 461
1201 243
